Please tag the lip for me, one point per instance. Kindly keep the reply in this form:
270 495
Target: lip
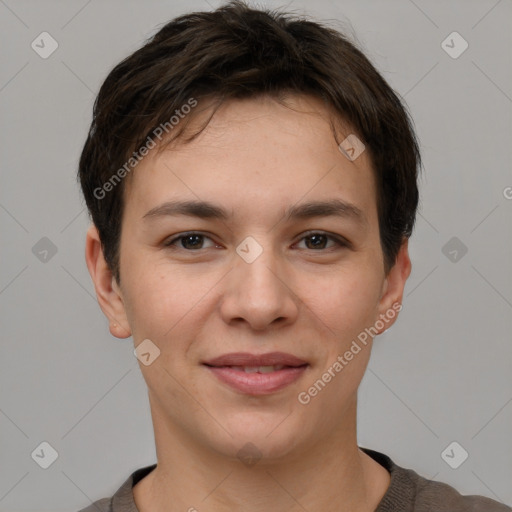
248 359
257 383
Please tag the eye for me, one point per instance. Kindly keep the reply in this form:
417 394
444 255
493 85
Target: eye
316 240
189 241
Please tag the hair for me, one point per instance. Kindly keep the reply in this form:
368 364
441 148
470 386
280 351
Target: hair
237 52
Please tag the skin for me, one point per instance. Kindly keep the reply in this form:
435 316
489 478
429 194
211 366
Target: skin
255 159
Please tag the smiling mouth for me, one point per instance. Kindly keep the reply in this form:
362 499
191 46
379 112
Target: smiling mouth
258 369
258 380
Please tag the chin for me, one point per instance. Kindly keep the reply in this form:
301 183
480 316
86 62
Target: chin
255 438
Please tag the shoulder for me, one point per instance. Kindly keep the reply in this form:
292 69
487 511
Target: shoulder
412 492
122 500
446 499
103 505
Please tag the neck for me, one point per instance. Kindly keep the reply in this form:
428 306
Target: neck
331 475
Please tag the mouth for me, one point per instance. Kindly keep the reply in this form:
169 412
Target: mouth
257 374
256 369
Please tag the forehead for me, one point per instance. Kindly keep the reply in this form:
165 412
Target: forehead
256 153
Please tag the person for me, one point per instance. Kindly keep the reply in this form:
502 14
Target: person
252 184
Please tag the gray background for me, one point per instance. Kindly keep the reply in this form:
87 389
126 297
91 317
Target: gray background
441 374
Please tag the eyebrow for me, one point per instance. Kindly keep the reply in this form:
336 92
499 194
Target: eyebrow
311 209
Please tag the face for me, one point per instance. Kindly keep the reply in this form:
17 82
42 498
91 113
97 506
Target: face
257 272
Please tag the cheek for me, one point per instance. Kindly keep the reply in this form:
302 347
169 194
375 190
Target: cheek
348 303
163 303
145 308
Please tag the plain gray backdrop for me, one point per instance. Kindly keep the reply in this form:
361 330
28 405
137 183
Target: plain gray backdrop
441 374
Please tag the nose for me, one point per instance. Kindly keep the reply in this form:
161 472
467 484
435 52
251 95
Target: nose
259 294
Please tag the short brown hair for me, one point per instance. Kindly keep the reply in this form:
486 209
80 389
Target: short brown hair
237 51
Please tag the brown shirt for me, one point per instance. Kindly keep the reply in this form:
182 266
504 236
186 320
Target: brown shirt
407 492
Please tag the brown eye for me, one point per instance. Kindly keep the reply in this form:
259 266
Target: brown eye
317 241
188 241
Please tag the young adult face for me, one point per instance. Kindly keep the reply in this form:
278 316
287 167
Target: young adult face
200 297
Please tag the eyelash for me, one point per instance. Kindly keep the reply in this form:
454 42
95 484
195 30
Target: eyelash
338 240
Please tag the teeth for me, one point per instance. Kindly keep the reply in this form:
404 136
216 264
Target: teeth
259 369
267 369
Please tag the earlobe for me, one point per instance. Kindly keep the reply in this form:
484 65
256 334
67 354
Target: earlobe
107 292
118 331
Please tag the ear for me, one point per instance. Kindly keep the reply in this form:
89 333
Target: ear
393 287
107 290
